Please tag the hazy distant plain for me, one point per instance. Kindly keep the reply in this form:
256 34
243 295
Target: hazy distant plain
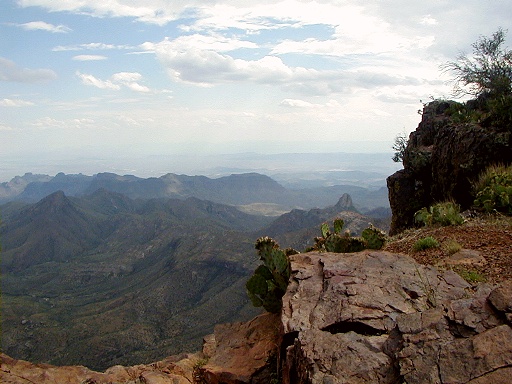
290 169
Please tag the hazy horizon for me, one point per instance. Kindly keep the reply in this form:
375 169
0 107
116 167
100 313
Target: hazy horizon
329 168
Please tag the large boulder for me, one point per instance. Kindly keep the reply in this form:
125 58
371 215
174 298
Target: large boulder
378 317
244 352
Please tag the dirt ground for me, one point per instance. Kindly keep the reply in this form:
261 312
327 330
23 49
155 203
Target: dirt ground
485 243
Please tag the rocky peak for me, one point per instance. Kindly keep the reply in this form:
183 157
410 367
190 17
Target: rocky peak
54 203
345 203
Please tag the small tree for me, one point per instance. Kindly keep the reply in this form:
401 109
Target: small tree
488 70
399 147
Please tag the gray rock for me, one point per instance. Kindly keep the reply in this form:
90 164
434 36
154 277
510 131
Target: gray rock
377 317
501 299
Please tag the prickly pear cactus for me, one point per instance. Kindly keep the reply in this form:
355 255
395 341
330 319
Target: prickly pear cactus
343 244
355 244
373 237
338 226
270 280
337 242
324 228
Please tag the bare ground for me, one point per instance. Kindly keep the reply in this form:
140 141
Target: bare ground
486 244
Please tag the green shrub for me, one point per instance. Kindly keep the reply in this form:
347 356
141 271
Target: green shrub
452 247
425 243
268 284
472 276
487 71
460 113
500 110
493 189
444 214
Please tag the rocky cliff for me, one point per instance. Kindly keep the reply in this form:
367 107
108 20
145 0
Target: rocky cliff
367 317
452 144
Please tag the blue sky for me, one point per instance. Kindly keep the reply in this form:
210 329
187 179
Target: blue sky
86 79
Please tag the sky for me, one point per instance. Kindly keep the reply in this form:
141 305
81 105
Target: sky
95 81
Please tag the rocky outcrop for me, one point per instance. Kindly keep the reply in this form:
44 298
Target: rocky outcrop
172 370
242 352
443 156
377 317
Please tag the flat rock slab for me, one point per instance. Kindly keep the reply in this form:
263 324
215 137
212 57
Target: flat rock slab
466 257
380 317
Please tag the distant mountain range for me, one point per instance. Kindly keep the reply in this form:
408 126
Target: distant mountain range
236 189
135 279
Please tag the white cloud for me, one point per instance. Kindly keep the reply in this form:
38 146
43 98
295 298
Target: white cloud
206 67
127 120
91 46
89 57
128 79
200 66
295 103
156 11
124 77
270 15
47 122
428 20
380 112
15 103
43 26
212 42
244 15
4 127
10 71
91 80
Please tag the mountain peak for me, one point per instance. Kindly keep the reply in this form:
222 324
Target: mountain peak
345 203
53 203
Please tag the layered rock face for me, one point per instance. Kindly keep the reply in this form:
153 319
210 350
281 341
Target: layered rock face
441 160
377 317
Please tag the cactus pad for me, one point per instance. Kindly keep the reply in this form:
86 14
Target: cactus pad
338 226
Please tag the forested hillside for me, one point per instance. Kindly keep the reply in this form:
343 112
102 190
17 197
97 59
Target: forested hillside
132 279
